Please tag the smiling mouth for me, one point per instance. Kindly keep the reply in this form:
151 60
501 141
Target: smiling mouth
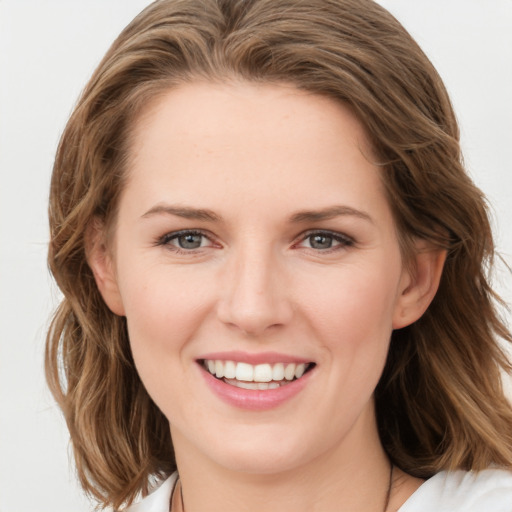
256 377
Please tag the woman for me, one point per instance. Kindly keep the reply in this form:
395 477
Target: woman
274 271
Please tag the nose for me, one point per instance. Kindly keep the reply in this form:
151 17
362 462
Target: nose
254 297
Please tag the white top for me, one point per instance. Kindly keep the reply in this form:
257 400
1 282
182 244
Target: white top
455 491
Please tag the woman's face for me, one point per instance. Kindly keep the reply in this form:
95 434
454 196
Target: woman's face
254 241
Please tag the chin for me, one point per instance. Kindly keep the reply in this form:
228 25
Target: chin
257 464
262 453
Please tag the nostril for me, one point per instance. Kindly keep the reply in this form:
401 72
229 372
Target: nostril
253 299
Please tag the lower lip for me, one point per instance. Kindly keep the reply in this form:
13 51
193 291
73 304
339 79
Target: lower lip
252 399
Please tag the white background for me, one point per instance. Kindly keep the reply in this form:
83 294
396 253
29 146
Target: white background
48 48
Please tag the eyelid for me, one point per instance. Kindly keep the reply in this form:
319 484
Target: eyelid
343 239
166 239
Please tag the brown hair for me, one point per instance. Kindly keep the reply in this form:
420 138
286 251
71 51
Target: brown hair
440 403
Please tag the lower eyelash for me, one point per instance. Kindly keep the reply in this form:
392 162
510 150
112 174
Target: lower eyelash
344 239
165 240
338 237
168 237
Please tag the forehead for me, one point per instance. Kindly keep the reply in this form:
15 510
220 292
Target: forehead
250 139
236 111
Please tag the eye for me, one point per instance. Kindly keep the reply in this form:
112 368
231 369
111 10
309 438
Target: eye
320 241
325 240
185 240
189 241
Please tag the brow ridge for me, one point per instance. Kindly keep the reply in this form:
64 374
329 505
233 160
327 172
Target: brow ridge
205 214
185 212
329 213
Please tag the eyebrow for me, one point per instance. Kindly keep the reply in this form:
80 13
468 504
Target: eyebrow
329 213
204 214
184 212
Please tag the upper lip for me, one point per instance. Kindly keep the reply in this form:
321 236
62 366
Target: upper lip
253 358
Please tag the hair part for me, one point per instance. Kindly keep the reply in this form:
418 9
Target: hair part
440 403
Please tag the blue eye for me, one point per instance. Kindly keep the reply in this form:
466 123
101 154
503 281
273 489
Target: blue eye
320 241
326 240
189 241
185 240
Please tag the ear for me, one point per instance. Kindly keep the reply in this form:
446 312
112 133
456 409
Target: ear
99 258
419 284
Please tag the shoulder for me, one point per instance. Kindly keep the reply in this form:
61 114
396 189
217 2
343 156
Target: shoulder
464 491
158 500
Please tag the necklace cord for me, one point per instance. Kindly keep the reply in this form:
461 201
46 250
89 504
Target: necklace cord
390 487
386 502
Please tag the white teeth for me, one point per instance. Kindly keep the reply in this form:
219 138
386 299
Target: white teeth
229 369
263 373
269 376
299 371
260 386
244 371
278 372
244 385
219 369
289 371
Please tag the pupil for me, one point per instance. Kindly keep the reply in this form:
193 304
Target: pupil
190 241
321 242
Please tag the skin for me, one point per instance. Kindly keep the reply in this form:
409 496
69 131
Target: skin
255 156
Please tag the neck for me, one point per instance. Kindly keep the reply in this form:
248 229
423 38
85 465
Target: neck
353 476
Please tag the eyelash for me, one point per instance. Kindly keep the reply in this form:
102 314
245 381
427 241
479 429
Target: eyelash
169 237
343 240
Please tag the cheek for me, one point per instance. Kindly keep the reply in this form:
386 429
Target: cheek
161 298
354 322
355 304
163 312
